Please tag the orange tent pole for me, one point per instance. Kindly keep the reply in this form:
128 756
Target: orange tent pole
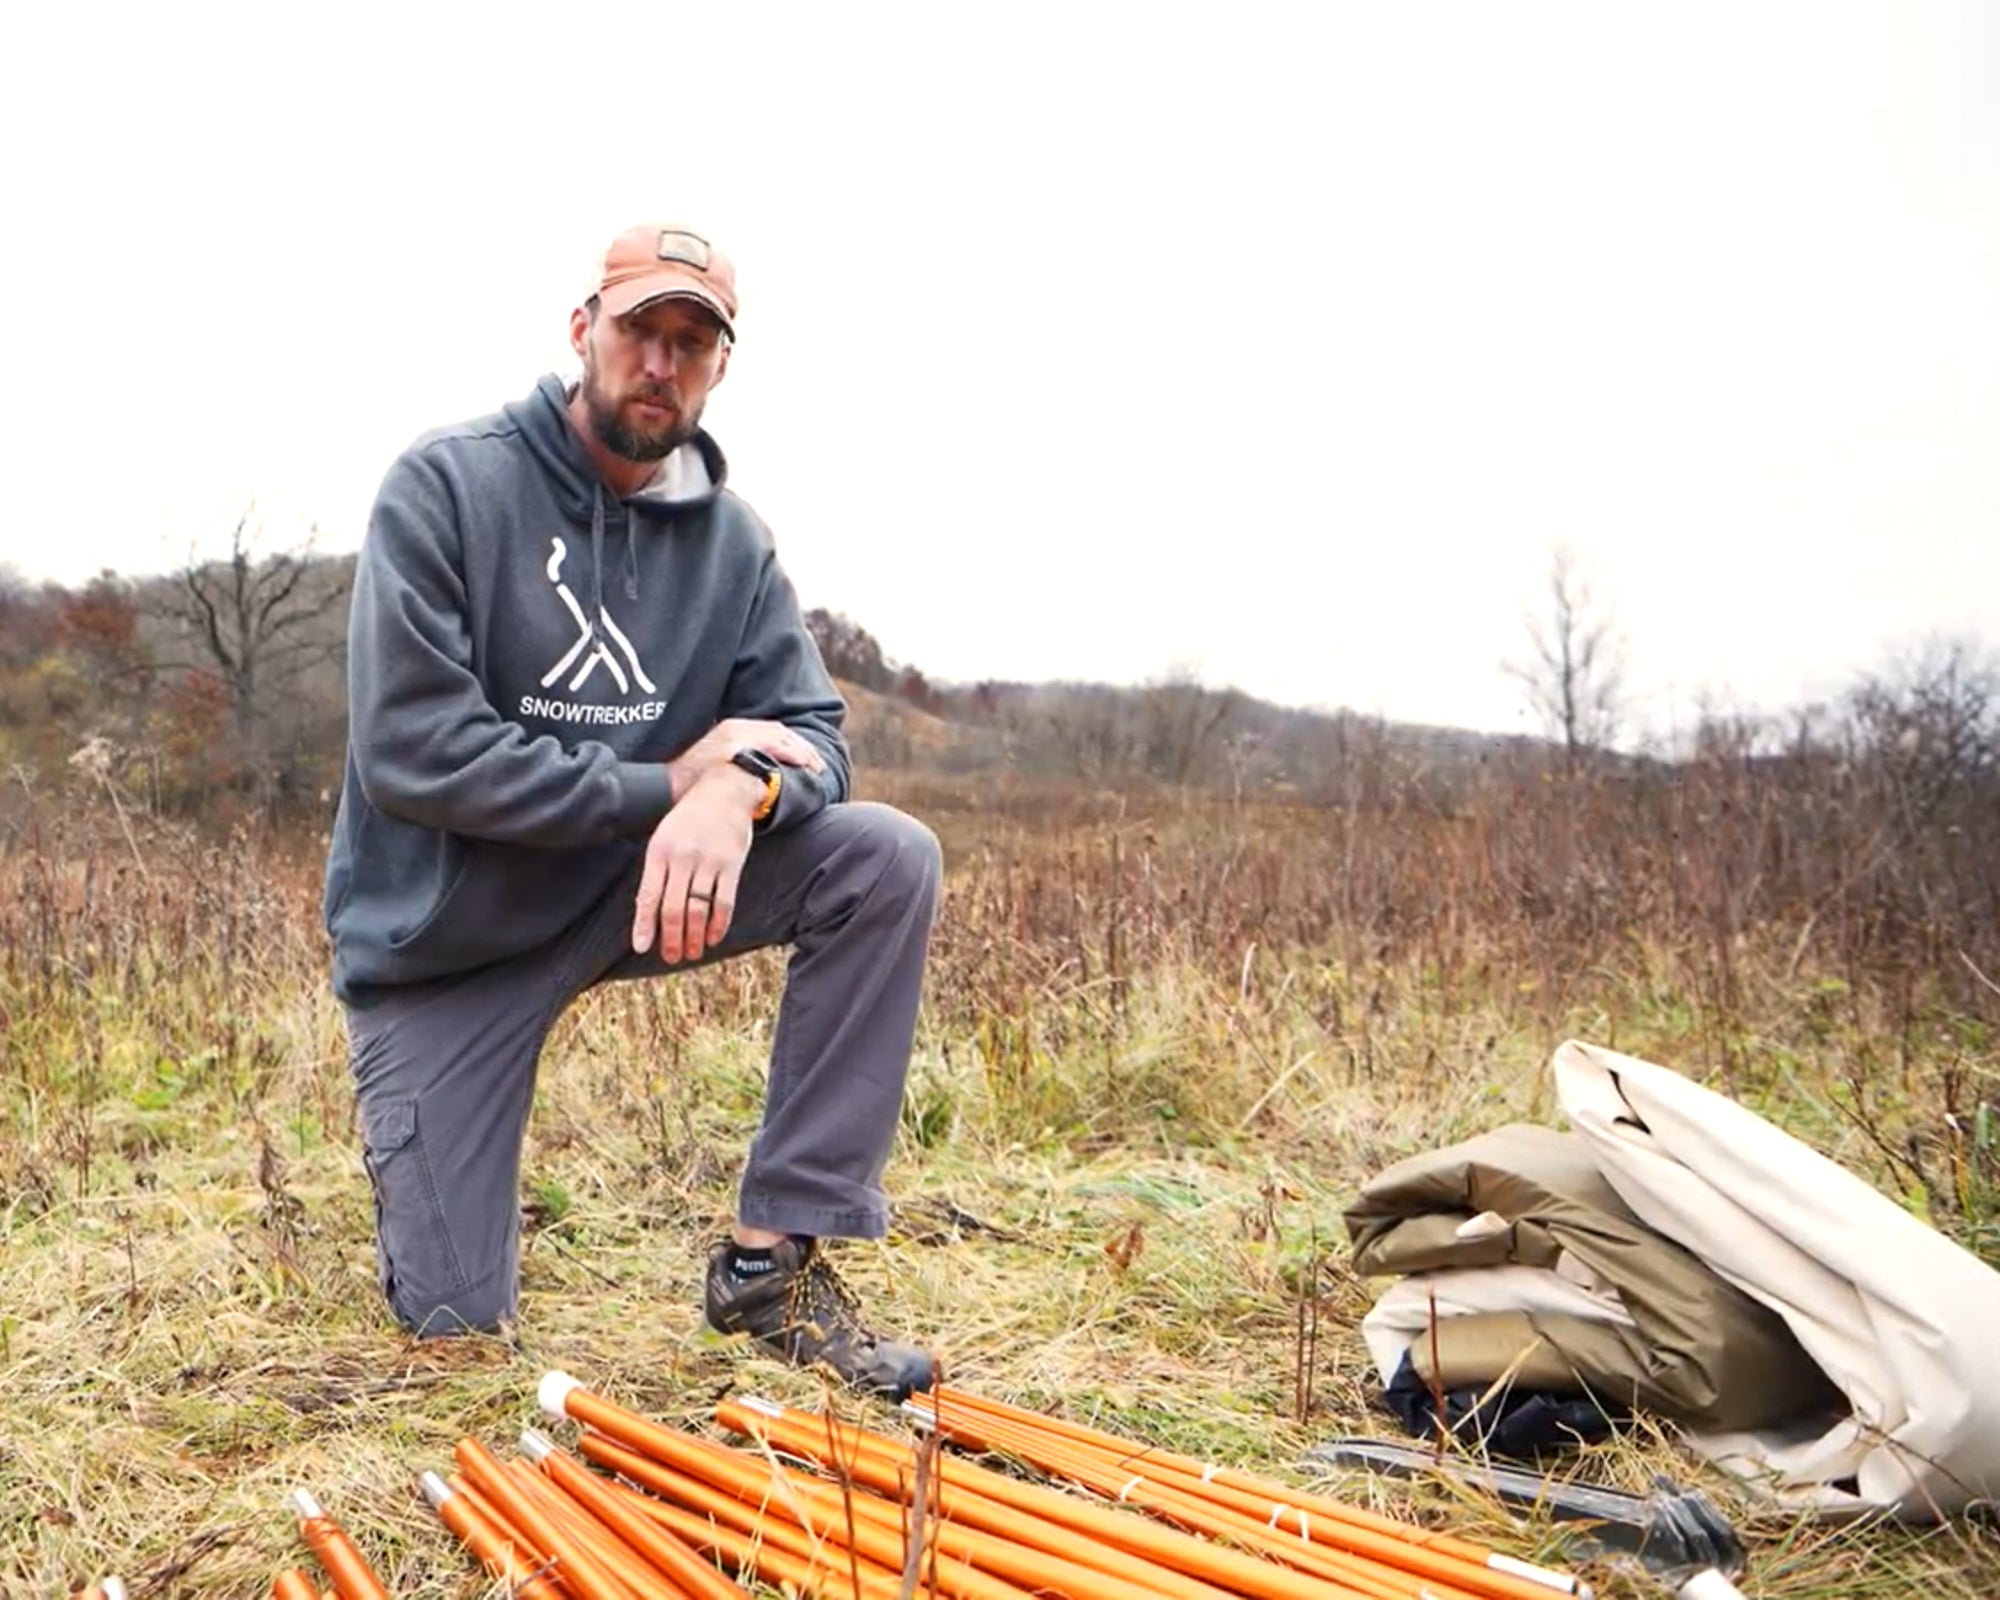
996 1499
1040 1564
1054 1562
579 1570
1376 1564
672 1556
351 1574
721 1483
769 1516
1335 1555
1246 1491
774 1554
728 1470
975 1416
823 1511
291 1584
496 1519
638 1575
967 1563
497 1549
543 1562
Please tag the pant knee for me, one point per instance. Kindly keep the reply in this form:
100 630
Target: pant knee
443 1269
910 861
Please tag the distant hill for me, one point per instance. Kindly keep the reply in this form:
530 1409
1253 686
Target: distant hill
229 677
886 730
1173 732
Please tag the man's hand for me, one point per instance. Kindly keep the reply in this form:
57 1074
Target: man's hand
693 862
715 747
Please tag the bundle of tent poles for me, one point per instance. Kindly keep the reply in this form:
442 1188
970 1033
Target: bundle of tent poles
865 1516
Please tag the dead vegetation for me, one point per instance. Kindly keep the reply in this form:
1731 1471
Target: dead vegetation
1166 1037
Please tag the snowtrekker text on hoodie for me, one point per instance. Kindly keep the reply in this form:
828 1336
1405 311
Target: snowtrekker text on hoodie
526 651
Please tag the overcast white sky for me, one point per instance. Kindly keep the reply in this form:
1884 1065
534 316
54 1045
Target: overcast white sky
1080 340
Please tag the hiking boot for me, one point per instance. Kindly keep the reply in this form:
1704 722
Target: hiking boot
799 1310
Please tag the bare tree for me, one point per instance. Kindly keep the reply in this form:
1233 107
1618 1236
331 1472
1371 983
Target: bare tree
849 650
27 620
1182 721
1084 730
1574 673
1930 725
255 619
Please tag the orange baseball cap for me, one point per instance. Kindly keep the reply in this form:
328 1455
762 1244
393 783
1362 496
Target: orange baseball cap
660 261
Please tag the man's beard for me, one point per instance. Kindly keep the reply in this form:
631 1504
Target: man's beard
625 441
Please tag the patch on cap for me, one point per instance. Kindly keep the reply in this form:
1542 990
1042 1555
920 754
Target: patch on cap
690 248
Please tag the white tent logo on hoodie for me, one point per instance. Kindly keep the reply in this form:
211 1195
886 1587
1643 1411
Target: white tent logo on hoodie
590 646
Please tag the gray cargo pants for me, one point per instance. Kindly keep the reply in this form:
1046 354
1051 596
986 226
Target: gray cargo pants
445 1071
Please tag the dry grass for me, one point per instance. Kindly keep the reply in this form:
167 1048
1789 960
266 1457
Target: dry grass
1161 1049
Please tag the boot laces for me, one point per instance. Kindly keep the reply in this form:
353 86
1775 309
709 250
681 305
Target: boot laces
822 1301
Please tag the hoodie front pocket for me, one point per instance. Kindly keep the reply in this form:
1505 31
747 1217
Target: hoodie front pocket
432 917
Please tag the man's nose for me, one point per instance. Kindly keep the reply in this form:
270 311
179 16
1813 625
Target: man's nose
660 359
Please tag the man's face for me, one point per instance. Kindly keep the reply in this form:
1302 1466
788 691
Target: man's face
646 376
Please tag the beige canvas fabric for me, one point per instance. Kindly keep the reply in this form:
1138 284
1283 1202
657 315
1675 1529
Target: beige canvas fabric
1402 1315
1905 1322
1527 1199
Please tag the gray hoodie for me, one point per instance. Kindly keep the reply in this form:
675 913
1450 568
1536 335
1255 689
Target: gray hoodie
525 653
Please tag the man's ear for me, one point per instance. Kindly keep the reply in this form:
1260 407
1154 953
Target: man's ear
722 366
579 331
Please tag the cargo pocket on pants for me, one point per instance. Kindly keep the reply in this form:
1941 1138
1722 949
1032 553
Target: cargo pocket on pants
418 1267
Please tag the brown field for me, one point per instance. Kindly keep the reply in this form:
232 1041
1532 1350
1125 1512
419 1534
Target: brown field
1166 1038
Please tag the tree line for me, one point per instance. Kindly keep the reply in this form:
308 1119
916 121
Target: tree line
220 687
224 678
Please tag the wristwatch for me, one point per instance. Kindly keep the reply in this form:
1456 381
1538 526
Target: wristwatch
767 771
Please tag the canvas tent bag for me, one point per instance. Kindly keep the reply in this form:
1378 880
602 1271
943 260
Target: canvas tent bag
1904 1322
1537 1274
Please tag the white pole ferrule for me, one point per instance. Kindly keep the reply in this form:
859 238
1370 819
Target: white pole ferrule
436 1490
305 1505
1561 1582
536 1445
1708 1584
553 1393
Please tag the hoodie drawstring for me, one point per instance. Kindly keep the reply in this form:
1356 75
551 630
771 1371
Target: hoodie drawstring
596 559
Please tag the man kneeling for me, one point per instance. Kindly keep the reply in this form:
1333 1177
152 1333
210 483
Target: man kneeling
590 738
